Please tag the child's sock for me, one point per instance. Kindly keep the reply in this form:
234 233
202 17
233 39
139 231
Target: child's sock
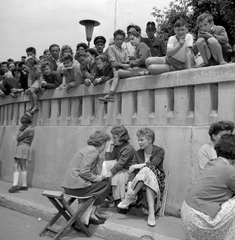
15 178
24 179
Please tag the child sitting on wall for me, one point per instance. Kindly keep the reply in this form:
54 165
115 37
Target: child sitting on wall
71 73
48 80
88 67
212 41
105 71
137 66
179 54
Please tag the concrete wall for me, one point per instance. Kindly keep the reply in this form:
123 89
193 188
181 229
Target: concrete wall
178 106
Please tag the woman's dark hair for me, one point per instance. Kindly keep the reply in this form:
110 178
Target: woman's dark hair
226 146
92 51
67 57
121 132
98 138
217 127
26 119
136 34
46 63
17 69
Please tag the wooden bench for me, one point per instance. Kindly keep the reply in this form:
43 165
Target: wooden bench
72 217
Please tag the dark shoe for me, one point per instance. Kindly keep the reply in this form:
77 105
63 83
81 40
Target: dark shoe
107 98
101 218
95 222
22 188
33 110
13 189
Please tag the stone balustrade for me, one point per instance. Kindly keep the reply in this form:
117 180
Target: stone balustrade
178 106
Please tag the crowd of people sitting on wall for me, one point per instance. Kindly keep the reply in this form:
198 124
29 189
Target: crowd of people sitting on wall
125 57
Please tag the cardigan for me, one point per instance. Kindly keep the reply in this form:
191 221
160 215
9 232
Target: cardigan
156 160
124 154
84 168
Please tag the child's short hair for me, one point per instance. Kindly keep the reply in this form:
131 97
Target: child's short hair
5 63
180 23
98 138
136 27
31 49
92 51
136 34
121 132
102 57
54 45
46 51
46 63
26 119
119 32
67 57
205 15
63 48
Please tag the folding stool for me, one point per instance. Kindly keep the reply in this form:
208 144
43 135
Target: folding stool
64 209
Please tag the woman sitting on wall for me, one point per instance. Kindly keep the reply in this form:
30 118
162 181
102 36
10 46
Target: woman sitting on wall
83 176
208 211
146 174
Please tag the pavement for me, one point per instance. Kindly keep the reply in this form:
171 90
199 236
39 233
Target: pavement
130 226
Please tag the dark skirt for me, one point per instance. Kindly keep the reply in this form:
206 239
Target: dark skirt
100 189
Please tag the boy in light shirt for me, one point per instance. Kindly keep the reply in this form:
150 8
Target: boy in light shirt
179 54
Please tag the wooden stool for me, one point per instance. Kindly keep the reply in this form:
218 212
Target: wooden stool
72 217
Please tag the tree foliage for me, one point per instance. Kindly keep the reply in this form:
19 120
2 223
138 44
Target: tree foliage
223 12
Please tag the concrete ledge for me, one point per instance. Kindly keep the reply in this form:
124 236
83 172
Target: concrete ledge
109 230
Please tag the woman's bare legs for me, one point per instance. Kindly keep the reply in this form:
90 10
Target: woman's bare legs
150 194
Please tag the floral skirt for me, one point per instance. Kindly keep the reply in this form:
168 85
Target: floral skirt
200 226
153 179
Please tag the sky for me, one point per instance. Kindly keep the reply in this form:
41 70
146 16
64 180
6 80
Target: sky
40 23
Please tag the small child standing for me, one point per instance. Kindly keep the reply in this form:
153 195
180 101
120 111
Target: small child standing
179 54
136 67
24 140
105 71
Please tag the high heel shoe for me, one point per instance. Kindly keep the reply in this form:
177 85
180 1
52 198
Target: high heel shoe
151 223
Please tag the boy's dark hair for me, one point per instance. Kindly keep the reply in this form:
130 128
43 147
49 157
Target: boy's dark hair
20 64
136 27
17 69
119 32
45 51
54 45
31 49
10 60
220 126
67 57
180 23
5 63
26 119
81 44
103 58
203 16
136 34
46 63
92 51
